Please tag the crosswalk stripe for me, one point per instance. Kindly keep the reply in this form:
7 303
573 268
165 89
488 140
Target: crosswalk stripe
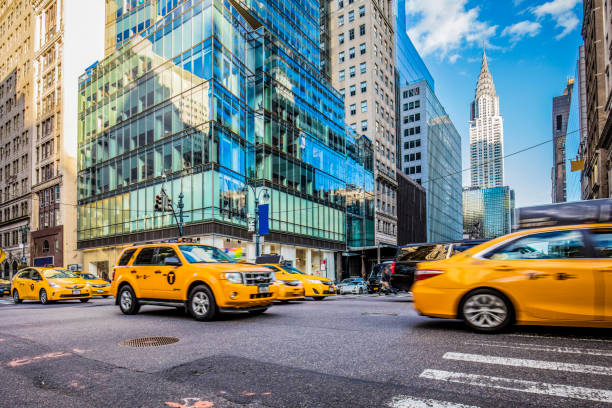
545 336
538 347
525 363
403 401
533 387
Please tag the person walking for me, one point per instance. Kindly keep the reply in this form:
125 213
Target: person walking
385 280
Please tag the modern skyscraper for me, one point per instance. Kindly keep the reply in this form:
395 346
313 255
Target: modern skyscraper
486 133
361 56
16 119
560 117
221 103
431 155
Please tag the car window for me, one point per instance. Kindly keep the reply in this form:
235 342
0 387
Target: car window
24 275
163 253
602 242
88 276
35 276
203 254
125 258
547 245
145 256
274 268
291 269
58 274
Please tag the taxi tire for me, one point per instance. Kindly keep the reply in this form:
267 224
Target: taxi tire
84 300
257 312
494 293
318 297
134 306
211 313
16 298
105 296
42 296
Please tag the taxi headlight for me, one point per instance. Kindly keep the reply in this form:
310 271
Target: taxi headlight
313 280
54 285
233 277
88 284
106 285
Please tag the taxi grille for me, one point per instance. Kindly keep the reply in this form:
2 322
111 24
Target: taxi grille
255 278
261 295
74 295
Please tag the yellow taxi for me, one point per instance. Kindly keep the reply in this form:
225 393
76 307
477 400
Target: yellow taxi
546 276
316 287
98 286
289 287
48 285
198 277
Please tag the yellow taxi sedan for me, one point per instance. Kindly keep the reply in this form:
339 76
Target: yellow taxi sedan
98 287
48 285
316 287
547 276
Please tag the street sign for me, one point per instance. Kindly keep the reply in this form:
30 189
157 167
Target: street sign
75 267
24 260
251 225
263 219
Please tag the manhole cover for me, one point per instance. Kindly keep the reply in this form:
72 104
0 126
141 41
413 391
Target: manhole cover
379 314
148 341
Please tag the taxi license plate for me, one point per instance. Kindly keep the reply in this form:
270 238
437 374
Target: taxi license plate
76 292
263 288
100 291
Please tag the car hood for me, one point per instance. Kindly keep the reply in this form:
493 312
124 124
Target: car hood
69 281
97 281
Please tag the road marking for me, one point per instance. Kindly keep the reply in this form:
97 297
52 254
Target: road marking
533 387
403 401
538 347
525 363
548 336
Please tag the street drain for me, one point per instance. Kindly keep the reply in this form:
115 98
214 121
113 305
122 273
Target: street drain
379 314
148 341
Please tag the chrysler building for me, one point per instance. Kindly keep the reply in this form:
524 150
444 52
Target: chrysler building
486 133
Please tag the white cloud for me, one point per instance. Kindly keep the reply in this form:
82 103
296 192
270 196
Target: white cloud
522 29
444 26
562 11
453 58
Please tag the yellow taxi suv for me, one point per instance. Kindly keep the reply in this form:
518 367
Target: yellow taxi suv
48 285
98 287
198 277
559 276
315 287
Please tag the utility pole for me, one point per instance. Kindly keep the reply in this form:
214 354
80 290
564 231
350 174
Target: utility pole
180 220
24 238
266 197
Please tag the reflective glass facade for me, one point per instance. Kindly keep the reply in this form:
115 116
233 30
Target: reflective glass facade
487 212
359 191
217 99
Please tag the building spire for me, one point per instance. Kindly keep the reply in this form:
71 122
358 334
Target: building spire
485 84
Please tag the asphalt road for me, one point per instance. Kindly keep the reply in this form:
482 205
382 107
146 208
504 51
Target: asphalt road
350 351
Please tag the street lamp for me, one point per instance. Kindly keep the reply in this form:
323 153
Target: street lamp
24 238
263 199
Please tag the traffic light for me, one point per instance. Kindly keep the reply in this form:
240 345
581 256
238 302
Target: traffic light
168 204
158 203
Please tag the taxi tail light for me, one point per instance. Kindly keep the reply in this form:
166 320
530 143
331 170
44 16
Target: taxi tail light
426 274
393 268
112 277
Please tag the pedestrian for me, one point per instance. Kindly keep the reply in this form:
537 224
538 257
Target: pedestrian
385 280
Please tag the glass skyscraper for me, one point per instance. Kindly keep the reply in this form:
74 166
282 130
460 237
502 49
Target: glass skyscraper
214 99
487 212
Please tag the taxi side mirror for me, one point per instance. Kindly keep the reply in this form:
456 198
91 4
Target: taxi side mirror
172 261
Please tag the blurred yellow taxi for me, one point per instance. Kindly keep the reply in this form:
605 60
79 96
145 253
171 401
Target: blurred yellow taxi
98 286
546 276
316 287
47 285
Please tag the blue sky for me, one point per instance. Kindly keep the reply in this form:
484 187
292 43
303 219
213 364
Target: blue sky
532 48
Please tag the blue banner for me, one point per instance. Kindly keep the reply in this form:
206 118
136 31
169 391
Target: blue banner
263 219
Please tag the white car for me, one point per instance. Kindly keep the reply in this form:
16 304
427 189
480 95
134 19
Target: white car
355 286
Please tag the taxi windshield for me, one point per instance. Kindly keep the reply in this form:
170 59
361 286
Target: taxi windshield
88 276
203 254
291 269
58 274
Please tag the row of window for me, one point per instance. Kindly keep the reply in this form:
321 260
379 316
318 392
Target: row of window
412 118
17 210
352 71
351 16
412 144
351 53
353 108
411 92
412 131
351 34
411 105
363 87
412 170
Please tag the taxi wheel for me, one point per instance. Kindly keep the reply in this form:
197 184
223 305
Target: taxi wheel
257 312
201 304
16 298
319 297
486 311
84 300
127 301
104 296
43 297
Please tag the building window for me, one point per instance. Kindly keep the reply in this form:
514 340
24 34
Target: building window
352 90
341 75
364 125
362 49
45 246
364 106
342 92
364 86
340 21
361 11
362 68
559 122
352 34
362 30
341 56
353 109
340 4
352 52
352 72
351 16
341 38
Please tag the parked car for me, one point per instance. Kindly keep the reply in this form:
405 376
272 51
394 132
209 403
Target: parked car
5 287
546 276
356 286
404 265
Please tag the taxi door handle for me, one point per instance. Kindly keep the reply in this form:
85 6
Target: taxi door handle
504 268
133 271
157 271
